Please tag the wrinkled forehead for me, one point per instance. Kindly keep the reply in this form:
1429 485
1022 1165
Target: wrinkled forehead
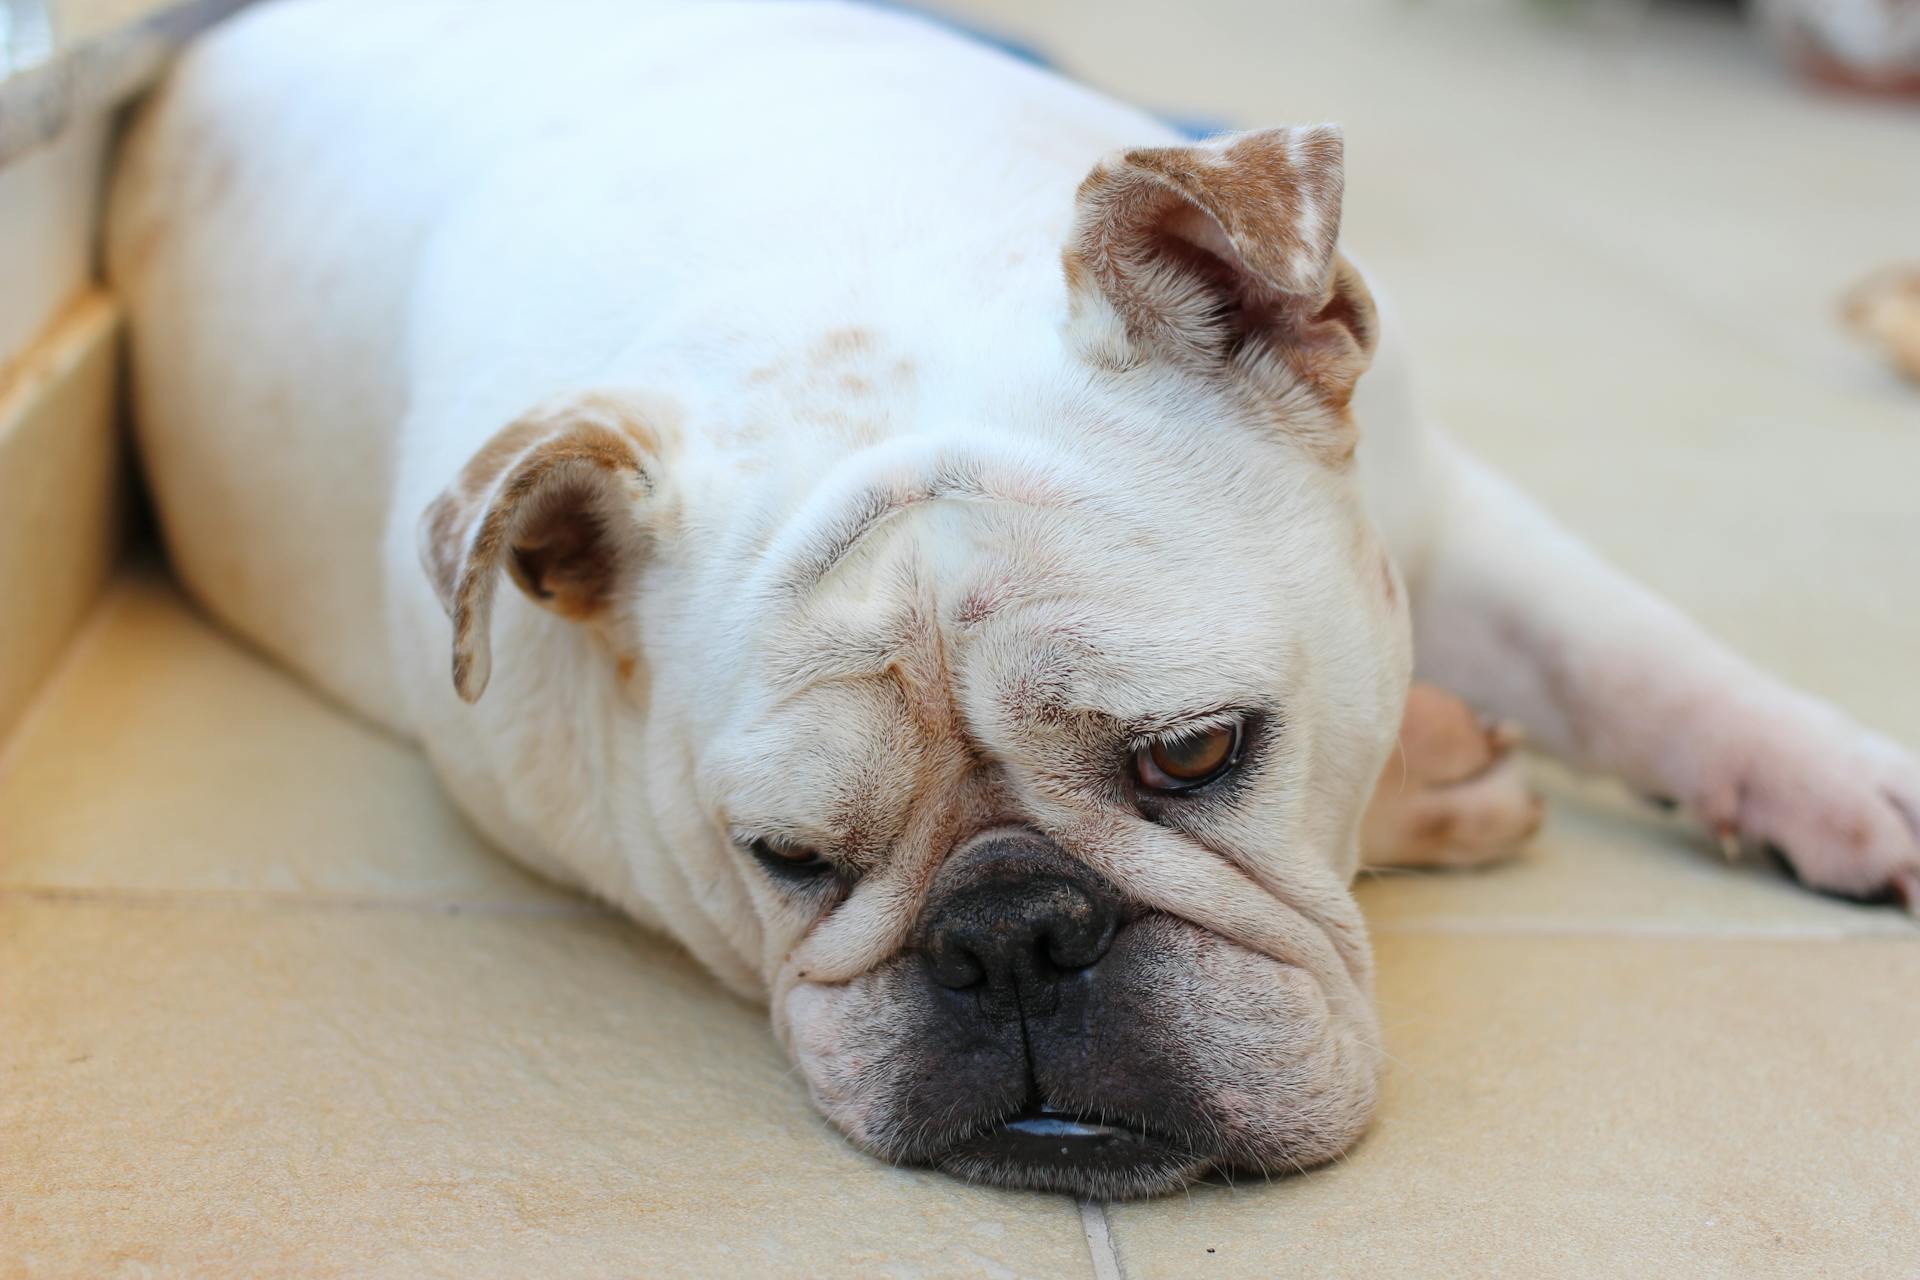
972 609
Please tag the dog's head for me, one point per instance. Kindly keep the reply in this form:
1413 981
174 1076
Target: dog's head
1024 758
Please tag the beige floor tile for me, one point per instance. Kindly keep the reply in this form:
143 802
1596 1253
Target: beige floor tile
1607 863
212 1091
1582 1108
166 758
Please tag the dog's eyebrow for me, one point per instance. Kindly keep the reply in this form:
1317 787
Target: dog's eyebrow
1167 724
813 544
832 542
1137 728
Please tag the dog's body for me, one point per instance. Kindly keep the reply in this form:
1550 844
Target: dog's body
739 336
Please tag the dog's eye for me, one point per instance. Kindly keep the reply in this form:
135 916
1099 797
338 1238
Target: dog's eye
786 859
1188 761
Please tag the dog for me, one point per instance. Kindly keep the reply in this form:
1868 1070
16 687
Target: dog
949 551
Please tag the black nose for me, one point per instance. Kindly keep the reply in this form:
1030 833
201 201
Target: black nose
1016 913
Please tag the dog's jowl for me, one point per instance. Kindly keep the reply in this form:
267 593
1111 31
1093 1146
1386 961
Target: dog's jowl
949 552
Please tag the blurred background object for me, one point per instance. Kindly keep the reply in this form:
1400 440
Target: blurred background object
1885 309
1869 45
26 34
69 63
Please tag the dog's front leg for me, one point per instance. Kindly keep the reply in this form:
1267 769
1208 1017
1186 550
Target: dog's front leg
1527 624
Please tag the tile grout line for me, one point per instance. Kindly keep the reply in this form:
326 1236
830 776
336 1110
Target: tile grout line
1897 926
1106 1259
1441 926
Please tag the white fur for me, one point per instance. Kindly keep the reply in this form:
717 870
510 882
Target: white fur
822 245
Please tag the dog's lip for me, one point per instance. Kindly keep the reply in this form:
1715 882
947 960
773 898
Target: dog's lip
1052 1123
1045 1148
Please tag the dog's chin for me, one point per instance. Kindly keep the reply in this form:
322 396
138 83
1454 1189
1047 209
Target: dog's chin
1039 1149
1179 1053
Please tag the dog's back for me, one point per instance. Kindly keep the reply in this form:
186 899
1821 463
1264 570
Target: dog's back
265 260
279 197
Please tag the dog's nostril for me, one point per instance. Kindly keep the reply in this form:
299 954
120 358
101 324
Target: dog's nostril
1027 931
954 967
1078 948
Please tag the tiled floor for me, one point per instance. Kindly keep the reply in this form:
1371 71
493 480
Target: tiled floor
267 1007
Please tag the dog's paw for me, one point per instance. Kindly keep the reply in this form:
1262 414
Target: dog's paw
1838 804
1453 795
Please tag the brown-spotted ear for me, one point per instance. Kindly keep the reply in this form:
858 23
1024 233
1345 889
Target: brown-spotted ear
1222 254
560 498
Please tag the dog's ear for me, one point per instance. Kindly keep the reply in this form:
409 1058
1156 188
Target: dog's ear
1222 255
565 498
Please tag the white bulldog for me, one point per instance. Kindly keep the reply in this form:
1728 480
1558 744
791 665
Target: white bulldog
962 587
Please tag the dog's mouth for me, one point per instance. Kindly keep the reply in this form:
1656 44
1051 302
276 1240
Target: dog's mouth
1046 1149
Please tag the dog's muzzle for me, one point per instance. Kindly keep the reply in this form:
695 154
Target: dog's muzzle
1012 942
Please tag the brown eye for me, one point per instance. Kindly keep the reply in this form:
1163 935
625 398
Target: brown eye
1188 761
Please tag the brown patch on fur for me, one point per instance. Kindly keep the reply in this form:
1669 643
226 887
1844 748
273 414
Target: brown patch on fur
445 518
841 344
648 436
463 669
625 666
492 458
952 786
565 561
1387 585
833 382
541 498
654 421
927 693
1275 194
1074 268
1332 349
558 552
1223 256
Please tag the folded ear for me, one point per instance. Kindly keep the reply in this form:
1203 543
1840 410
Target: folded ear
1222 255
563 499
